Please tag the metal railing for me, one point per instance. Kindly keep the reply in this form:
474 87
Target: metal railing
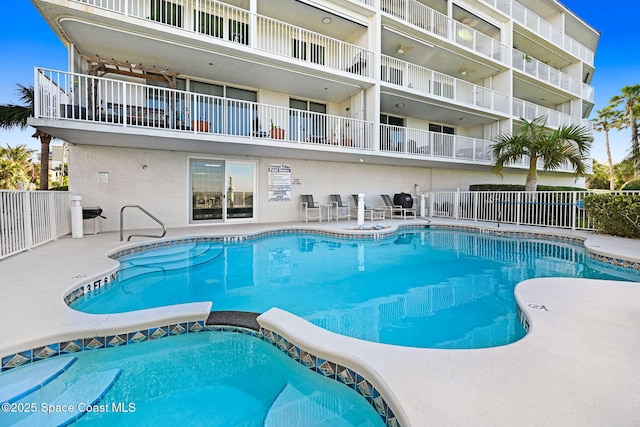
555 119
544 29
560 209
548 31
73 96
236 25
433 83
432 21
164 228
398 139
554 77
29 219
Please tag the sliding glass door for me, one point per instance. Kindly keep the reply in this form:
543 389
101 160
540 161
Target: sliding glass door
221 190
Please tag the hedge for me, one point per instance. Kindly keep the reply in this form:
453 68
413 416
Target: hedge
615 214
519 187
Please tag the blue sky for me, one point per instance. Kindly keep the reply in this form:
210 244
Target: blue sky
28 42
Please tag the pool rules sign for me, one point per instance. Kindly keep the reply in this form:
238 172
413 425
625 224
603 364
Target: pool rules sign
279 183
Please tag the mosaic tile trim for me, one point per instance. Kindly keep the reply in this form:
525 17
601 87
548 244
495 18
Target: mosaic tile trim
95 343
92 288
97 286
377 236
336 372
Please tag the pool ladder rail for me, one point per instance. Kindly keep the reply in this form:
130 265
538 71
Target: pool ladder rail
164 228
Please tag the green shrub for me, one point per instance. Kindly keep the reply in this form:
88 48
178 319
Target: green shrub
615 214
634 184
60 188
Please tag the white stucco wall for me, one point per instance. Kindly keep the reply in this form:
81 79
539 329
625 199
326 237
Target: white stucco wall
159 182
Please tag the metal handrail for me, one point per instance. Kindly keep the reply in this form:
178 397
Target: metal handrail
164 228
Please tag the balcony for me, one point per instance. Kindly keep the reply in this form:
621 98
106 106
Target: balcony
419 142
544 29
98 100
222 22
434 84
555 119
552 76
417 14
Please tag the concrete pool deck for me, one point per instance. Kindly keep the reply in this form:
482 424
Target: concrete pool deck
577 366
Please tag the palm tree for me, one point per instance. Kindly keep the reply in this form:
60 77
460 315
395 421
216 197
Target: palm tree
554 147
12 174
12 116
608 119
630 97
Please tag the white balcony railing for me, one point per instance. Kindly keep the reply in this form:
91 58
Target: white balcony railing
538 25
555 119
232 24
432 21
60 95
433 83
398 139
550 75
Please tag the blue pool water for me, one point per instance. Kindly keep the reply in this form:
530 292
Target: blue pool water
432 288
202 379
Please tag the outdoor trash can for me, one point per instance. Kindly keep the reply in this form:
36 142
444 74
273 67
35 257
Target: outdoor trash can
91 219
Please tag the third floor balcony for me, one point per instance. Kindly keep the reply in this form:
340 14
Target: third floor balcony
418 15
538 69
299 37
441 86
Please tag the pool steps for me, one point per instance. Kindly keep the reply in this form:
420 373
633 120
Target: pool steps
87 390
291 404
152 263
18 383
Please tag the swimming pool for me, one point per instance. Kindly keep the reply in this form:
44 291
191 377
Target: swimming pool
435 288
207 378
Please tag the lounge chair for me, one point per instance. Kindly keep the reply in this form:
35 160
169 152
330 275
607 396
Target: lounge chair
309 210
370 213
338 208
396 210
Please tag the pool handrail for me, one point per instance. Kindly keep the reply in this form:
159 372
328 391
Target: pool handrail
164 228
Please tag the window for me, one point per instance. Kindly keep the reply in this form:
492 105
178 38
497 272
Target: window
392 135
316 52
238 32
299 49
441 129
310 123
442 139
166 12
208 24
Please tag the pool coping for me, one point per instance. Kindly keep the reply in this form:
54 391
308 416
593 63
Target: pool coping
164 318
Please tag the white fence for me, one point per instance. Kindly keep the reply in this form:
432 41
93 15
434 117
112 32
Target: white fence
29 219
561 209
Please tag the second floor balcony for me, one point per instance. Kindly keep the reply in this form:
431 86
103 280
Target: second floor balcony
555 119
118 109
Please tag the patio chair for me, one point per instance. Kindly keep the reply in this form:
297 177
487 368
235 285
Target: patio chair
340 209
370 213
309 210
396 210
